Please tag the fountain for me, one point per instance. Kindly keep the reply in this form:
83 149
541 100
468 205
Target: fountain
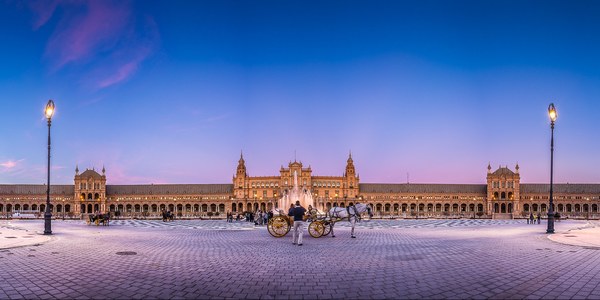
296 194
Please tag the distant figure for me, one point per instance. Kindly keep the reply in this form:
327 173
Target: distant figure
531 218
539 218
298 214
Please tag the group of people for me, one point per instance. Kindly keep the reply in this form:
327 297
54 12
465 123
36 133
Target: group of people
167 215
533 218
259 217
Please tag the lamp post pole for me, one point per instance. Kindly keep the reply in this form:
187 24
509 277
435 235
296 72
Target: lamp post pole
48 213
552 113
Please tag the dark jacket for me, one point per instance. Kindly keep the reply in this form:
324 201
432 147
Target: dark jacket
298 213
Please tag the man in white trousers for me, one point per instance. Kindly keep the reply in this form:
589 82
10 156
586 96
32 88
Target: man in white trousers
298 214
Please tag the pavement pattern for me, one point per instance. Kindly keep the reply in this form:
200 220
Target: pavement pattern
420 259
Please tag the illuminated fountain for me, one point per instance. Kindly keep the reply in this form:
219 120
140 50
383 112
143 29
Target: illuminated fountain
296 194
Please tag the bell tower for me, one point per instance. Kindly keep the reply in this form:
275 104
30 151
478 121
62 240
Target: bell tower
351 179
240 179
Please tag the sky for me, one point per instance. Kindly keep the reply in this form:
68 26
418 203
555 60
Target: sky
419 91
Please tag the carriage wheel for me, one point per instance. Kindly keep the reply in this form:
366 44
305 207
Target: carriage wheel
278 226
315 229
326 228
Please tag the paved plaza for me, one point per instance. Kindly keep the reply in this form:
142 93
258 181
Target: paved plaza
213 259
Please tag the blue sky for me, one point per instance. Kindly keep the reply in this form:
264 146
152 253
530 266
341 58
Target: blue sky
170 92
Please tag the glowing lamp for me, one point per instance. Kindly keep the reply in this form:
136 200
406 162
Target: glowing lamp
552 112
49 109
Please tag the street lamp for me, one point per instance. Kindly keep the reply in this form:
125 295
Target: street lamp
48 214
552 114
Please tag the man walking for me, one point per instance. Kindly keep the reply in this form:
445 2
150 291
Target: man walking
298 214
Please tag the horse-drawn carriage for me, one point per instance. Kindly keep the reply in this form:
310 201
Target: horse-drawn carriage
321 224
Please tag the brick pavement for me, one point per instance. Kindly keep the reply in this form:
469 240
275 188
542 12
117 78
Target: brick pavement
389 259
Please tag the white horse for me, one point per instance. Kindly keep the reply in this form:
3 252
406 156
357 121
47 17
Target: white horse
351 212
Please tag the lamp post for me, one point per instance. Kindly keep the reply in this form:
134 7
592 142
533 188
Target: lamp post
48 214
552 114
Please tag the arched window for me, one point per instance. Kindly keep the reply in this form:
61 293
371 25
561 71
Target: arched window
503 195
526 207
495 195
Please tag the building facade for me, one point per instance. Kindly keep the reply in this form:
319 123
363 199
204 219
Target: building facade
503 195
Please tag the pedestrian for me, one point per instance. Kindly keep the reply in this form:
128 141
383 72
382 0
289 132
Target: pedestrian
539 217
298 213
527 220
531 218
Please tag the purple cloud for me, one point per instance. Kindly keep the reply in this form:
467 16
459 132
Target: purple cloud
105 39
43 11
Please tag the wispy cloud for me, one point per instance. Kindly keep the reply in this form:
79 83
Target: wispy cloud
42 10
216 118
105 39
10 164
